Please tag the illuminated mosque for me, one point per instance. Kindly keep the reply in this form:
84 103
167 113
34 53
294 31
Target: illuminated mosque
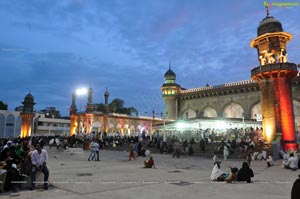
272 96
269 100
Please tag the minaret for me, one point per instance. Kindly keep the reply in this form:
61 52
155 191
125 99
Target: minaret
73 108
106 105
27 116
170 91
274 76
89 106
106 109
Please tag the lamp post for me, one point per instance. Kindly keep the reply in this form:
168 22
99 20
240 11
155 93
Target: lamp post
151 124
80 92
164 132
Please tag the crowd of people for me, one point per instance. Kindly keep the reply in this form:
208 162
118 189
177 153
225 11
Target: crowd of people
22 158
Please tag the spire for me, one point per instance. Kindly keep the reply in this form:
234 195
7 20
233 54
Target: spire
267 6
169 65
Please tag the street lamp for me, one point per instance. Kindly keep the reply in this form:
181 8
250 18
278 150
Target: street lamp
80 92
164 132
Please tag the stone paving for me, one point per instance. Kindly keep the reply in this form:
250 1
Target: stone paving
72 176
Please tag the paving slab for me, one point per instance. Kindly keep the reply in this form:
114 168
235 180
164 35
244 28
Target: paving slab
72 176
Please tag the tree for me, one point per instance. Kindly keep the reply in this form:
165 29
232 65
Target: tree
116 106
3 106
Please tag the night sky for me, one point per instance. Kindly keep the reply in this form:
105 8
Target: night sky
50 48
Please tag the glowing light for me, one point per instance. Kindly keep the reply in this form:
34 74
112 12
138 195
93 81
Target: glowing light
180 125
221 125
81 91
269 132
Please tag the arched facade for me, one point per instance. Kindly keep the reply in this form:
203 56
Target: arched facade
10 124
233 110
111 123
209 112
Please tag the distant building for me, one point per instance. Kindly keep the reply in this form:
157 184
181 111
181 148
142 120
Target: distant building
10 124
26 122
91 121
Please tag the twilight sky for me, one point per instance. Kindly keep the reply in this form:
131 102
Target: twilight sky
53 47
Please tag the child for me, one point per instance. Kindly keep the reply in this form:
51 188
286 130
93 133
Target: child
270 161
249 158
149 163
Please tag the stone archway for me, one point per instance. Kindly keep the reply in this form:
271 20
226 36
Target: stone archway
189 113
209 112
233 110
96 127
255 110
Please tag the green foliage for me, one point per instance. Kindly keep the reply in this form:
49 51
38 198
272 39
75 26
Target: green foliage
116 106
3 106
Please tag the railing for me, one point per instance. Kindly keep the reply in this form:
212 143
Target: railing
273 67
239 83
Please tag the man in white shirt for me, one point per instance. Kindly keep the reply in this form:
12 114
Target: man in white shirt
39 158
292 162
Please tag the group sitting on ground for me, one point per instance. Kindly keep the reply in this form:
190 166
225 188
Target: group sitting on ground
235 174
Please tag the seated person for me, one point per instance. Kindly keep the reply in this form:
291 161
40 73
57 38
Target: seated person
292 162
232 175
270 161
245 173
217 174
149 163
39 158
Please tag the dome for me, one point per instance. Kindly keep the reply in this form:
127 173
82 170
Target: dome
29 96
269 25
170 74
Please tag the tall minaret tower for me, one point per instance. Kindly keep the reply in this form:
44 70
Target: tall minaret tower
89 106
170 91
106 110
73 108
27 115
274 76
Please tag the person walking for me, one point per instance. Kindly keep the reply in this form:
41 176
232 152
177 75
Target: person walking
92 155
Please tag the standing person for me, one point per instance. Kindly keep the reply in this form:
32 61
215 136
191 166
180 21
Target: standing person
249 158
131 152
225 152
97 148
202 145
92 155
296 189
39 158
245 173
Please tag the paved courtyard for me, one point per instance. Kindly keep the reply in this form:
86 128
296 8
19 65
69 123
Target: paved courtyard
72 176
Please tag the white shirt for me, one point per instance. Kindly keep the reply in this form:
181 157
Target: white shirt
293 163
39 158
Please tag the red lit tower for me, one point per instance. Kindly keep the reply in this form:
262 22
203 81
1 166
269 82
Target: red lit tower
27 115
274 76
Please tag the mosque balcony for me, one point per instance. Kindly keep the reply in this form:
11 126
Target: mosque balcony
270 70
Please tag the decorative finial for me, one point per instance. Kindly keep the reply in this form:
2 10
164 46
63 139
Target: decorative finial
169 65
267 6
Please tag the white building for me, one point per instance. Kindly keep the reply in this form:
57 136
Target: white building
11 121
